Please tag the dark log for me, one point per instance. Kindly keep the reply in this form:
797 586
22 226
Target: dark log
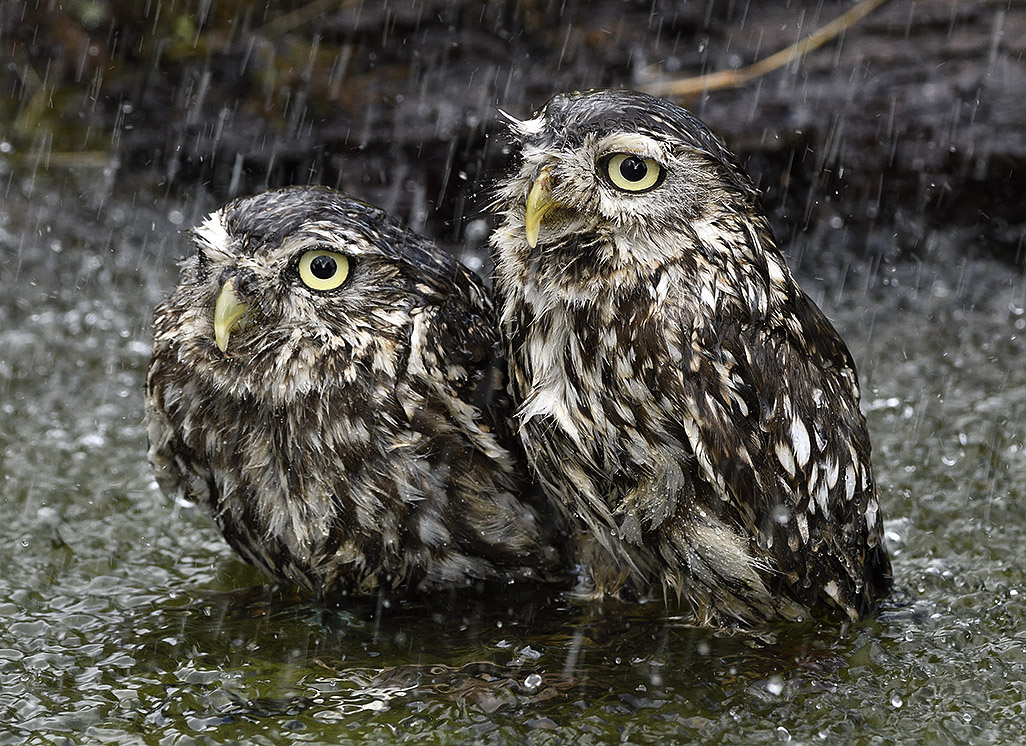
915 118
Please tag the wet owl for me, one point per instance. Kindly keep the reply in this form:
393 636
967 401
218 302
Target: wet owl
688 404
329 385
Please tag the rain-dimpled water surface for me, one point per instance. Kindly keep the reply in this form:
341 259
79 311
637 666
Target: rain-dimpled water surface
126 619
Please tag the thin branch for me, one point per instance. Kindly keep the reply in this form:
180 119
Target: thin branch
61 159
734 78
299 17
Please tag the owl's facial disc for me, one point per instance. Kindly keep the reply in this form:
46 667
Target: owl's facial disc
230 315
597 181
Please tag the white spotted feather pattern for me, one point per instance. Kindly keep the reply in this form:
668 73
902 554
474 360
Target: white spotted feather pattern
690 407
352 439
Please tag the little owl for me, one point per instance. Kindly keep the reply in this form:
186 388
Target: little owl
690 407
329 386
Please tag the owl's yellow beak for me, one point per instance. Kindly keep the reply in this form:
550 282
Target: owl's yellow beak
229 314
539 204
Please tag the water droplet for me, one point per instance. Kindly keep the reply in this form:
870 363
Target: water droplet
775 686
528 652
532 682
896 701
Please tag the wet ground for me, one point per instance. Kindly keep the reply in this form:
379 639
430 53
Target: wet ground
125 619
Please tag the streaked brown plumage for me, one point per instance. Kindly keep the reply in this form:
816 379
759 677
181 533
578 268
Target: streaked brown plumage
325 382
690 406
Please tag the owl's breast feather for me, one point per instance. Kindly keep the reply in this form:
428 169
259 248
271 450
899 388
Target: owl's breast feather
550 394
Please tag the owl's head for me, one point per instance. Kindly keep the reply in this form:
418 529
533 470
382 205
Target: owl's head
620 172
296 287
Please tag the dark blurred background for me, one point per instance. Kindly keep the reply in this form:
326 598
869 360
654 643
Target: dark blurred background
903 137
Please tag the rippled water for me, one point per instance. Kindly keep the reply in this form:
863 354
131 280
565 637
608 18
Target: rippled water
124 619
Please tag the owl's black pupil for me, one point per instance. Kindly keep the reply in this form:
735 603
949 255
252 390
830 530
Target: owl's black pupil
323 267
633 169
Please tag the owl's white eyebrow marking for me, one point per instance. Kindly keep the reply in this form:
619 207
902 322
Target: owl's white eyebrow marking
213 233
527 127
633 142
325 235
523 127
509 118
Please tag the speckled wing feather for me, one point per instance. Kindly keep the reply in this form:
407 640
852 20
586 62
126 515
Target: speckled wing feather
771 415
459 358
177 472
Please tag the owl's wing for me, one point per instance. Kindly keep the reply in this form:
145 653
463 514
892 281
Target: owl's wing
456 347
456 350
178 471
771 414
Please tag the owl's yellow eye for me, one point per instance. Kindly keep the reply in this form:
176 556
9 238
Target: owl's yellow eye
323 270
632 173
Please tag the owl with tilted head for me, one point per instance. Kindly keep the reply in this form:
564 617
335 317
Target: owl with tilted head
330 386
692 410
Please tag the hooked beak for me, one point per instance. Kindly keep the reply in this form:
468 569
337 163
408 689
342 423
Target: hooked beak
229 313
539 204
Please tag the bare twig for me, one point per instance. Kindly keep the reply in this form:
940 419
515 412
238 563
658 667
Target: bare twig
733 78
299 17
38 99
74 159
